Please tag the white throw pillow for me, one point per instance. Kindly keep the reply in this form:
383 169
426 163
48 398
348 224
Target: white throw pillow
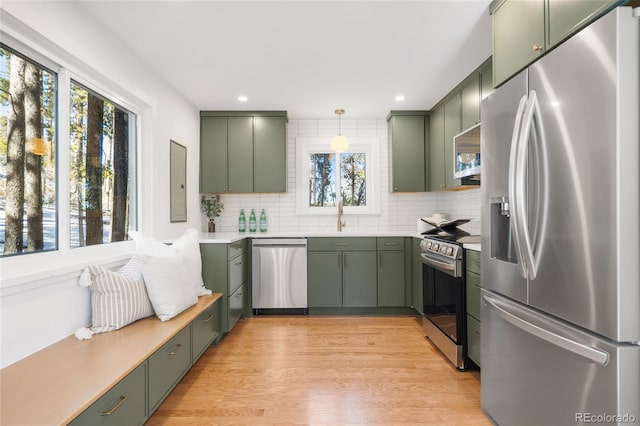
117 298
187 245
164 277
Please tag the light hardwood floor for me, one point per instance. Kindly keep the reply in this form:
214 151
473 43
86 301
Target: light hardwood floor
324 371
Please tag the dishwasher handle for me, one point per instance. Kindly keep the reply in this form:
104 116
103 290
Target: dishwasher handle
279 242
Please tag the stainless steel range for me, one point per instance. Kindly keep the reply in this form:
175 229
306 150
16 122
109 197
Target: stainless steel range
444 294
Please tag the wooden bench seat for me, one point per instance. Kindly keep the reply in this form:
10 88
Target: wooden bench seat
56 384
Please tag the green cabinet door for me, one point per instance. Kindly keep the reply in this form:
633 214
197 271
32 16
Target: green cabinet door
416 278
471 103
518 36
213 154
486 82
452 126
324 279
391 278
436 148
270 156
564 18
240 154
407 145
359 281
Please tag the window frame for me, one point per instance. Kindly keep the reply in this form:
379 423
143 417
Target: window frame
41 268
321 145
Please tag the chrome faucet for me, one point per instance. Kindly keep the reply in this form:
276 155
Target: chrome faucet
341 223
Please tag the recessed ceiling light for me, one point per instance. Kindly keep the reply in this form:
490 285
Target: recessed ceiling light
243 98
399 98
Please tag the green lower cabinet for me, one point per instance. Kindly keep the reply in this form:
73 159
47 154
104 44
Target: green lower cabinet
416 283
123 404
167 365
391 278
359 279
205 329
324 279
473 339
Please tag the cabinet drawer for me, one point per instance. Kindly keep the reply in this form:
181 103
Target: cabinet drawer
167 365
473 294
237 272
473 261
473 337
341 244
204 331
236 305
236 249
125 403
390 243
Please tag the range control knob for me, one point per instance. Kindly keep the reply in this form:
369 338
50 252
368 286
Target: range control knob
450 251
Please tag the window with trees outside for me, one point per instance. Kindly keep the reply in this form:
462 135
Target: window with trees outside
327 178
99 205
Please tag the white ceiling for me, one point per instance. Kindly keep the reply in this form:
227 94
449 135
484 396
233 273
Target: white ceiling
306 57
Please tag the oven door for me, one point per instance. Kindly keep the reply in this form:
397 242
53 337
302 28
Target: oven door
444 301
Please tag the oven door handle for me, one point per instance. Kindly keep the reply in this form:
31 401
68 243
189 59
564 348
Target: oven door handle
450 268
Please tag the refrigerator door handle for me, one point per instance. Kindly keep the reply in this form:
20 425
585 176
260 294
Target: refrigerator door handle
502 309
513 170
532 109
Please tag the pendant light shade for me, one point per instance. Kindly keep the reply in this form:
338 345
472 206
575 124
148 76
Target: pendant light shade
339 143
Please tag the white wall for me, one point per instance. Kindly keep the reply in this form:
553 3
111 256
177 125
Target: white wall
40 300
399 211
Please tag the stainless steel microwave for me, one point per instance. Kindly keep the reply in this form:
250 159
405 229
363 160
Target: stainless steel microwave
466 153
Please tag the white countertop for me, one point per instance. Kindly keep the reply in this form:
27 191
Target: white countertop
476 247
230 237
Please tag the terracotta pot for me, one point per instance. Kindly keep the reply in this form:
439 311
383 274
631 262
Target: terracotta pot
211 226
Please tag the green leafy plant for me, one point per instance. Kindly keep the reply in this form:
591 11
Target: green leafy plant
211 206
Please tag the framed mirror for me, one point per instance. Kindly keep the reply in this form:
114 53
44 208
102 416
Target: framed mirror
178 185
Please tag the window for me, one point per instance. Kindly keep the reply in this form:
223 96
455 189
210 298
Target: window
100 161
28 218
100 135
321 172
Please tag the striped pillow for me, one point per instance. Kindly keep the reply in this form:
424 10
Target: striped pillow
117 298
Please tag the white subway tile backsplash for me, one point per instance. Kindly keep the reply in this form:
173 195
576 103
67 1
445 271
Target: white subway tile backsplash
398 211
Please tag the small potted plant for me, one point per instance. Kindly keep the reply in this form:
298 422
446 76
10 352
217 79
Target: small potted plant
211 207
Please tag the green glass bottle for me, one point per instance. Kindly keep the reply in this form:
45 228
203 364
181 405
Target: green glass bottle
252 221
242 222
263 221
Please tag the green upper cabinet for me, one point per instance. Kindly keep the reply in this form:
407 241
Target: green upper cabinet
486 80
243 151
240 154
436 148
270 154
471 103
452 126
567 17
408 148
213 154
518 36
523 30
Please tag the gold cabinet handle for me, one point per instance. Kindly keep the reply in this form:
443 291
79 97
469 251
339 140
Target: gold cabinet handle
343 244
117 405
172 353
208 318
537 47
477 332
391 244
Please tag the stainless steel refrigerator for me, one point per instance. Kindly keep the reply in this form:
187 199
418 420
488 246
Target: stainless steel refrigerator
561 234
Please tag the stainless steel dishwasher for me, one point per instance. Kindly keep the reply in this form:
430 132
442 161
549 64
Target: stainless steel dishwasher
279 276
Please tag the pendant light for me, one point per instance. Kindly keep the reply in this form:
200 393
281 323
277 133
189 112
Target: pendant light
339 143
